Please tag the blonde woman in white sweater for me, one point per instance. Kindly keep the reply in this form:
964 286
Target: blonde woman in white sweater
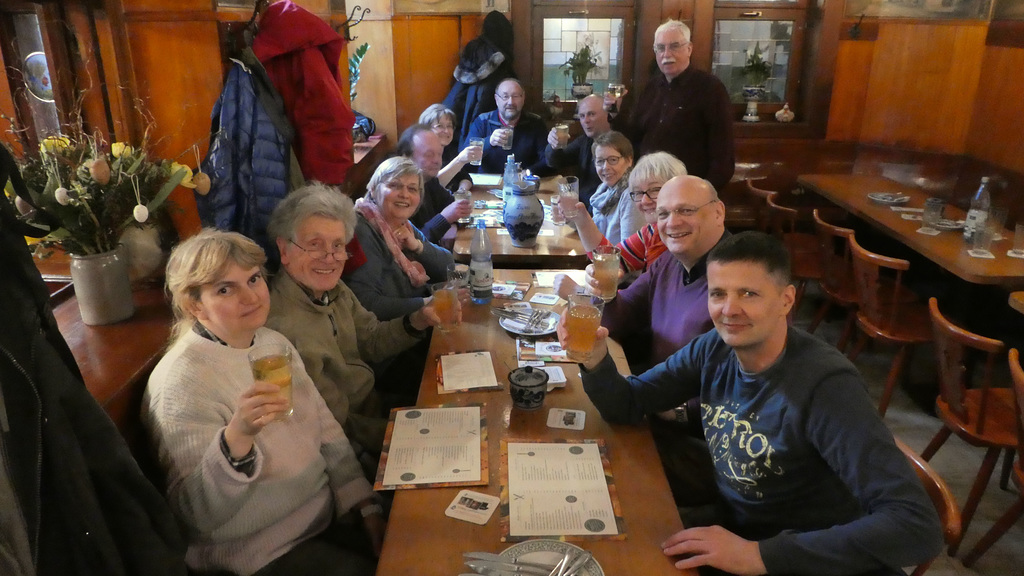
257 496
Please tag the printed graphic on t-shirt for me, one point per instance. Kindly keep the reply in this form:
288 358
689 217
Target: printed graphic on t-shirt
742 455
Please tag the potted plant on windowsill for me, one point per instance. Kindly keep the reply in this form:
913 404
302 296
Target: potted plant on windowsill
756 72
578 67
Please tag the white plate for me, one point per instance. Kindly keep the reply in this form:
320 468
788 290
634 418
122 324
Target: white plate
550 552
888 199
547 325
946 224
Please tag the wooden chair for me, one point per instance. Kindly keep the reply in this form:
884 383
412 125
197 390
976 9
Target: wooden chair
884 312
982 416
837 275
805 260
1014 513
942 498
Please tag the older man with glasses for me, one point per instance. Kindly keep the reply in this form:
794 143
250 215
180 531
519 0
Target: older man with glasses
336 337
510 130
683 111
666 308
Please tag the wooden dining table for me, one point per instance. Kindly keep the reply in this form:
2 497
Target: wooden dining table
421 540
947 249
562 249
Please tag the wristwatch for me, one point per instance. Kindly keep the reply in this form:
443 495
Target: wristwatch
370 509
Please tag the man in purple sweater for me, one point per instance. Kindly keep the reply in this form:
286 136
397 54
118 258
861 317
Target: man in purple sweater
666 308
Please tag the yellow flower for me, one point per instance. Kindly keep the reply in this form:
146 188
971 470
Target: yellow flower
119 149
186 180
52 144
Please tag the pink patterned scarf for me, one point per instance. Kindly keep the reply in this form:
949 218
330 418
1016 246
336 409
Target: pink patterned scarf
414 270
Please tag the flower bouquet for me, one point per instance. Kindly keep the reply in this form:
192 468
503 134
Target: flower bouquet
88 200
89 196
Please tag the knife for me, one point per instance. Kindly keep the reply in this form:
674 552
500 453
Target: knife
490 557
506 568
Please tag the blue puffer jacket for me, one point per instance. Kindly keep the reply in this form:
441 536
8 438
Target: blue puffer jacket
249 160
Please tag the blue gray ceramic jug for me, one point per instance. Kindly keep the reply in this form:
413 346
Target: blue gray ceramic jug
523 214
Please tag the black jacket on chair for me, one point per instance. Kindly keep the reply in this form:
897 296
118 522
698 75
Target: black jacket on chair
87 506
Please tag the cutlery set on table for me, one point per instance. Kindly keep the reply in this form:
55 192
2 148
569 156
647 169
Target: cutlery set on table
570 564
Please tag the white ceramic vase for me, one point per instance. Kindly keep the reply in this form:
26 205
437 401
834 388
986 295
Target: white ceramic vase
523 215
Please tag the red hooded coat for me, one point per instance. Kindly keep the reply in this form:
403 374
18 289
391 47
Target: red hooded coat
301 54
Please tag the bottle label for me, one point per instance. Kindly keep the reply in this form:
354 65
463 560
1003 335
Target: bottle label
974 220
481 278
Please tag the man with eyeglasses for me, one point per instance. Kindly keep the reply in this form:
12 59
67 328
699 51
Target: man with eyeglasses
594 121
335 335
438 209
683 111
662 311
527 132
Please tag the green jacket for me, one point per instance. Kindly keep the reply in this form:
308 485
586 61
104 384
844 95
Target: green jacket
337 342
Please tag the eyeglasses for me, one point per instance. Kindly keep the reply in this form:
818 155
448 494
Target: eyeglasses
638 195
611 161
513 96
685 212
586 115
396 186
673 47
443 127
339 252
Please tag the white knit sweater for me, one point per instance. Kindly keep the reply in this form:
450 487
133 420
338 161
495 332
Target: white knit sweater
305 469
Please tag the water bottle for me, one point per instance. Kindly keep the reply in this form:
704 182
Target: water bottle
481 271
978 214
509 178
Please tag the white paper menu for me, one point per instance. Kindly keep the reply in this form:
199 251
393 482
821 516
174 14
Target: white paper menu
434 445
558 489
468 370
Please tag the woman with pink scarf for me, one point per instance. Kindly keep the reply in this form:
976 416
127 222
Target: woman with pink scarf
400 261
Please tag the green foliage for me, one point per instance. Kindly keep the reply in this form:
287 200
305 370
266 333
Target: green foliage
94 210
579 65
354 61
757 70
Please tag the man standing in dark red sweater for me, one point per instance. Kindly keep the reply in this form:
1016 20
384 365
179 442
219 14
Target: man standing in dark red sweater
683 111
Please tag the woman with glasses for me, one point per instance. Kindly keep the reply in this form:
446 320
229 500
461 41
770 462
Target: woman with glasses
442 121
256 491
400 261
641 249
616 216
336 337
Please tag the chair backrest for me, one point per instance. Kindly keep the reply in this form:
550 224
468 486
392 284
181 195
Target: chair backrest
878 301
781 219
1017 375
951 345
941 497
834 246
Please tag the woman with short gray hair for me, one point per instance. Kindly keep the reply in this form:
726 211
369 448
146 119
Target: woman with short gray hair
337 338
400 261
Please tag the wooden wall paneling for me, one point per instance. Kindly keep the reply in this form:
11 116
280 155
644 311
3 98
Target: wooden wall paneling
849 90
117 94
88 76
821 56
522 49
377 76
703 17
922 85
426 52
997 124
8 109
177 88
167 5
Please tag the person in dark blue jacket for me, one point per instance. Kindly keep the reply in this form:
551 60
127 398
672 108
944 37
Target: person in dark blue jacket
810 478
528 133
